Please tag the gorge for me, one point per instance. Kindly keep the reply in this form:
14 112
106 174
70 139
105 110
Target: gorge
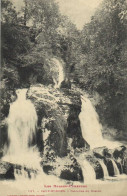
56 132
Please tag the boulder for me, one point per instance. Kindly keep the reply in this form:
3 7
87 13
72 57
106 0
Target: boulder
9 171
51 105
119 152
124 162
110 167
6 170
101 152
60 109
125 165
66 84
7 96
71 169
96 165
72 174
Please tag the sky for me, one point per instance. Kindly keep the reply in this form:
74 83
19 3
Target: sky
79 11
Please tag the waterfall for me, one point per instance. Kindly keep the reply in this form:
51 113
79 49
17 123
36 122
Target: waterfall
60 78
104 168
90 126
121 167
22 121
87 169
116 170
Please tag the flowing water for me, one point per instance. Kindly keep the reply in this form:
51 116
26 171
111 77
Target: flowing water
116 170
92 132
22 121
104 168
87 170
91 127
60 71
121 167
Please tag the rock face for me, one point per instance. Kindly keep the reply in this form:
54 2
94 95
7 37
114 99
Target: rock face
58 113
6 170
118 155
59 137
52 115
100 152
7 97
9 171
74 129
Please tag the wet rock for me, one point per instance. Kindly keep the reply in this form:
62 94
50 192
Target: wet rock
9 171
51 105
120 167
3 135
1 153
6 170
66 84
125 166
100 152
61 109
75 175
66 167
124 162
119 152
48 169
106 154
74 129
96 165
7 96
109 167
72 171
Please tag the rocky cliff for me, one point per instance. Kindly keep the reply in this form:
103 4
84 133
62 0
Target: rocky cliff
59 137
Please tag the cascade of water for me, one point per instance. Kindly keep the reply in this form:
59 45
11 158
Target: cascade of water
121 167
60 78
88 171
90 126
22 121
116 170
104 168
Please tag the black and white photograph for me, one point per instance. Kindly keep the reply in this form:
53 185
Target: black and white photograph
63 98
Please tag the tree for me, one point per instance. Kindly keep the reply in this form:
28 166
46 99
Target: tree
103 60
55 36
15 41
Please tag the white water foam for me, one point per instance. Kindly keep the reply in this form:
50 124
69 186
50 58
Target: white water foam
22 121
105 171
116 170
91 127
60 78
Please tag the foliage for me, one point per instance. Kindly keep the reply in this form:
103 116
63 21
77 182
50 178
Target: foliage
95 58
8 13
15 41
102 64
54 36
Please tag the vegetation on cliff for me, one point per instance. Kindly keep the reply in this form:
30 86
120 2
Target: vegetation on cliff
95 58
